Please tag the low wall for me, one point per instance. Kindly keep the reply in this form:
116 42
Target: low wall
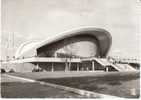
18 67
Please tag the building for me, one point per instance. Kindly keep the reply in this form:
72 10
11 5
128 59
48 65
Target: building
82 49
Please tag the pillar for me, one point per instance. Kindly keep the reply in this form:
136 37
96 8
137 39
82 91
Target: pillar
37 66
93 66
52 67
77 66
66 66
107 69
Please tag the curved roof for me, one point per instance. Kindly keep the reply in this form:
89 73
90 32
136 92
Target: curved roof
104 38
25 47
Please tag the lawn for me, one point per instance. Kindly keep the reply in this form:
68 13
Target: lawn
122 84
118 84
15 88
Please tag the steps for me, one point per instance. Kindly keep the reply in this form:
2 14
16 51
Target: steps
125 67
119 67
102 61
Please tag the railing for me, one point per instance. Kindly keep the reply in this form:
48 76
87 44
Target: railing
123 60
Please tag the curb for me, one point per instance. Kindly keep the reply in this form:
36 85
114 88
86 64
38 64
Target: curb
86 93
21 78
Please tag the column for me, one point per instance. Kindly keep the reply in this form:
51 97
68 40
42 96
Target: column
77 66
107 69
52 67
66 66
93 66
37 66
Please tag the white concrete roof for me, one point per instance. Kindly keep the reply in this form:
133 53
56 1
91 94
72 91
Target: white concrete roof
102 35
45 59
25 47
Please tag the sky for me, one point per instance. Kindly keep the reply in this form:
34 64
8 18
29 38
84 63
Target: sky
39 19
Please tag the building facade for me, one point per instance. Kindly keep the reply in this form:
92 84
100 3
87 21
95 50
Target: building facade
82 49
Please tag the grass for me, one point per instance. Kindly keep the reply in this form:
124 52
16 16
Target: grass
116 84
15 88
33 90
122 84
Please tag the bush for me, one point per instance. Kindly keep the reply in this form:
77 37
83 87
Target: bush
3 70
37 70
11 71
